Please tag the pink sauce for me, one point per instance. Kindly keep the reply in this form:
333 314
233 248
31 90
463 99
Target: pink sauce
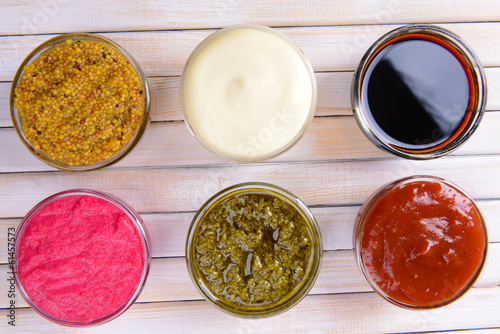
80 258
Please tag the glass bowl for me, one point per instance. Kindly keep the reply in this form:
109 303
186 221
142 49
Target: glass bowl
48 46
433 146
238 307
42 298
232 112
420 242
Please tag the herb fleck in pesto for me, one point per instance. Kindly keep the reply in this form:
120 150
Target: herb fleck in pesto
252 250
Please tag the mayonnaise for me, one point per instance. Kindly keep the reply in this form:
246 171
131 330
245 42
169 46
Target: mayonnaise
247 93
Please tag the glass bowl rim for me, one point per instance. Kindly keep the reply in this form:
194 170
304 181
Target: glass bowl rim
58 40
136 220
293 141
366 209
478 79
292 298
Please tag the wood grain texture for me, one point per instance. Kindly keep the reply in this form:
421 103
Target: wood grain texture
168 231
26 17
339 313
169 281
334 97
336 48
333 169
186 189
171 144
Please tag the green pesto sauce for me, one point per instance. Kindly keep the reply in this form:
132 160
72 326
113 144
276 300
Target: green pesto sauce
251 250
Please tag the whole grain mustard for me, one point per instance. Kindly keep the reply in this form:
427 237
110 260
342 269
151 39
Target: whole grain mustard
80 102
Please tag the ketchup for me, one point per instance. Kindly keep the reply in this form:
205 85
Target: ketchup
423 243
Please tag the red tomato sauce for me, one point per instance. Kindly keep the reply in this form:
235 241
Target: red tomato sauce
80 258
423 243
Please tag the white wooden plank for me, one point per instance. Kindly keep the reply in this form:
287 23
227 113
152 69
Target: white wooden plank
169 280
168 231
185 189
171 144
341 313
334 96
334 35
25 17
5 119
337 48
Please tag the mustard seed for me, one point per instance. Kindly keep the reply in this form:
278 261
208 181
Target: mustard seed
84 127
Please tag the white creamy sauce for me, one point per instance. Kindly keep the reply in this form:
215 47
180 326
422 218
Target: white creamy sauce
247 93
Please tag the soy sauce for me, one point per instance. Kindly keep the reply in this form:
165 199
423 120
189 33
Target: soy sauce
416 92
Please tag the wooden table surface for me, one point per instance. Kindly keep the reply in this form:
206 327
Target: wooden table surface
333 169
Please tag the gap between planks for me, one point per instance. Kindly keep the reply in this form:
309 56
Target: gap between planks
334 98
168 278
24 17
344 313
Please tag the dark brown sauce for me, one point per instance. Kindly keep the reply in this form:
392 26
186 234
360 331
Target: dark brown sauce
416 94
